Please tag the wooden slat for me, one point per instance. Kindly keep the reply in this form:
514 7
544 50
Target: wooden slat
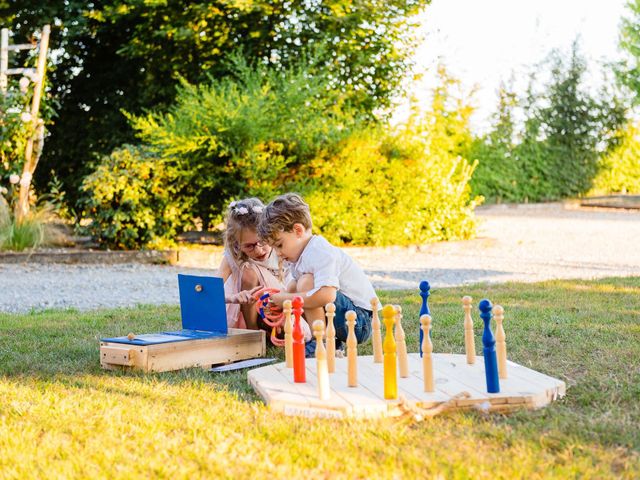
270 387
522 385
362 403
453 376
448 380
310 389
22 46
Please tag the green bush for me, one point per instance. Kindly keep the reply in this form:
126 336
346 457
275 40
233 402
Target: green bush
245 136
268 132
132 200
381 189
619 171
408 187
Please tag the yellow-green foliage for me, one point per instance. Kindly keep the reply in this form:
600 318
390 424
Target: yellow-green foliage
407 187
268 132
130 198
385 190
619 171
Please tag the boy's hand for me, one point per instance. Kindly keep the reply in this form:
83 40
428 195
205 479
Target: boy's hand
277 299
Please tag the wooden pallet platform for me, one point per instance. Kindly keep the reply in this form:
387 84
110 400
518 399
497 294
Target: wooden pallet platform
238 344
525 388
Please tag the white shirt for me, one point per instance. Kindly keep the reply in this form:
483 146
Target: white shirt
332 267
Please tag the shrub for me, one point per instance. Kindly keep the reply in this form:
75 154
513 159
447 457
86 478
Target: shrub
386 190
407 187
132 201
268 132
619 171
244 136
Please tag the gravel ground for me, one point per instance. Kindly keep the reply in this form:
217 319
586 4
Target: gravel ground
524 243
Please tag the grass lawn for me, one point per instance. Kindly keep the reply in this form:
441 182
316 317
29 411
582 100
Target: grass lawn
61 416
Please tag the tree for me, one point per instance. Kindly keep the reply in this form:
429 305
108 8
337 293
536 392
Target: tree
576 127
555 151
116 55
628 71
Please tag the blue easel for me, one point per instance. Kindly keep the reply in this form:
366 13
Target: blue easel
203 312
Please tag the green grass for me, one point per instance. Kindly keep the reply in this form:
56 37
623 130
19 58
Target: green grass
61 416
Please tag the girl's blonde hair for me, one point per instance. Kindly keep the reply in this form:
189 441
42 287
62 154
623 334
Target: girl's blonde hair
241 214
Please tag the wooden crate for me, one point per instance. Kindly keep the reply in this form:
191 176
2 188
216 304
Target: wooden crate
237 345
524 388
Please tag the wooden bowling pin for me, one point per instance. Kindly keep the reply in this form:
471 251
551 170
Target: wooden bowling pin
288 328
330 312
321 361
427 349
401 345
390 365
489 348
299 369
425 291
352 349
469 340
501 341
376 338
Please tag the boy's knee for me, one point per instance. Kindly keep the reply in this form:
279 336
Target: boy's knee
305 283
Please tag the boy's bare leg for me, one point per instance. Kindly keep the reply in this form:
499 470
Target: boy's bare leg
249 281
305 283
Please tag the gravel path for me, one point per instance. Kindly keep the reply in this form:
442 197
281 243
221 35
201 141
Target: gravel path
525 243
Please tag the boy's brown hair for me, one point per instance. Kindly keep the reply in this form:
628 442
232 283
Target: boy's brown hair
282 214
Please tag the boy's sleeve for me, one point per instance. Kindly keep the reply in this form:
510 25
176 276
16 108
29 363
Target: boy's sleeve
325 272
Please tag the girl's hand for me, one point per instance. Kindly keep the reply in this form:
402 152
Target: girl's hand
244 297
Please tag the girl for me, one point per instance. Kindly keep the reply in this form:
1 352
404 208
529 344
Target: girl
248 264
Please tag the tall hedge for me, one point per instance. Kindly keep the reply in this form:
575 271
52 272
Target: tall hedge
266 132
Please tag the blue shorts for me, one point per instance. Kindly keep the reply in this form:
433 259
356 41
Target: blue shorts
362 328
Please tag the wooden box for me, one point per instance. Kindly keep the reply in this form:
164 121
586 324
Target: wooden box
203 341
202 352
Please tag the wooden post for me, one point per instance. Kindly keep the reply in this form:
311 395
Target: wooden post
427 349
321 361
330 310
376 339
501 341
30 160
401 344
469 340
352 349
4 59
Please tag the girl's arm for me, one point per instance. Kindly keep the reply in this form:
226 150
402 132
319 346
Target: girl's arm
224 270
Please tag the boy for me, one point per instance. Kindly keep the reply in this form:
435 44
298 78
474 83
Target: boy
320 272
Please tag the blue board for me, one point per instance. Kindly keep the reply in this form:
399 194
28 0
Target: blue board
202 303
203 311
